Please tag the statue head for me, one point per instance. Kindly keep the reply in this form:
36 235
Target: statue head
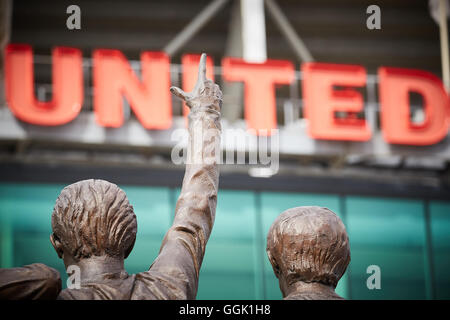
308 244
93 218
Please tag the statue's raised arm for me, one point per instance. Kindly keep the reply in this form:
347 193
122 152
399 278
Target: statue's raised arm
183 247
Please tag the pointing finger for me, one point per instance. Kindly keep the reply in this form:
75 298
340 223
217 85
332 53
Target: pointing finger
202 69
179 93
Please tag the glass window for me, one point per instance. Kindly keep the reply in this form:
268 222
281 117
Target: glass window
440 230
154 216
389 233
25 217
232 268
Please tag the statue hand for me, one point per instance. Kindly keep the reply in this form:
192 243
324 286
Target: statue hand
205 93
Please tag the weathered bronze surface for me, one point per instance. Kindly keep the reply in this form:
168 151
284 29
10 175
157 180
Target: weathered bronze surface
35 281
94 226
309 250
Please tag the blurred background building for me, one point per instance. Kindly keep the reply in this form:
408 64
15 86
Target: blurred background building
394 200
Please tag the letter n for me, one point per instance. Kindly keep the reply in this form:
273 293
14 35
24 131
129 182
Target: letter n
149 99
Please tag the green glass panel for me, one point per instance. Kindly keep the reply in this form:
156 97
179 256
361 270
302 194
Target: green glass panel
226 286
29 205
388 233
6 240
273 204
152 208
27 208
153 213
36 247
233 256
440 231
145 251
230 267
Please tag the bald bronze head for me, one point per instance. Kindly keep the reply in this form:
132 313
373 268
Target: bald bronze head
93 218
308 245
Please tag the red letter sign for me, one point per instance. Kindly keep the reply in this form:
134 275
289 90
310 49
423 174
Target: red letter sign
321 101
190 70
67 80
260 80
395 84
149 99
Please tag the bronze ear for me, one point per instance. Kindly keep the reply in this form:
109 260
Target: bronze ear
274 264
129 249
56 245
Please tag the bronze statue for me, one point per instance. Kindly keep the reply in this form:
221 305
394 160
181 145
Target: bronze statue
35 281
94 226
309 250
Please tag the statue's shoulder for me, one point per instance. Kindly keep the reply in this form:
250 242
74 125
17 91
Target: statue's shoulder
33 281
102 288
154 285
313 296
41 270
